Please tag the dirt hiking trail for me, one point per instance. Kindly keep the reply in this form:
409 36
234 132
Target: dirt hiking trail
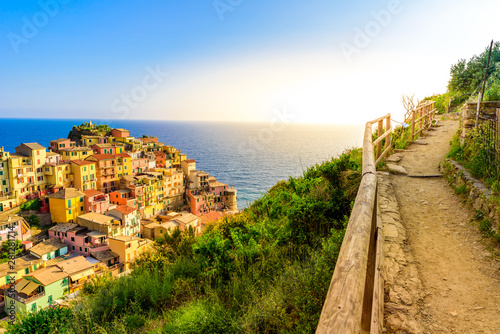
446 280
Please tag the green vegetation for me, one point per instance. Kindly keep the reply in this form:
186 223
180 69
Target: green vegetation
401 137
466 80
265 270
9 246
485 226
30 205
478 157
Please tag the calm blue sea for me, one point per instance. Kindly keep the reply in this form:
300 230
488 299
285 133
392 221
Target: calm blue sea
252 157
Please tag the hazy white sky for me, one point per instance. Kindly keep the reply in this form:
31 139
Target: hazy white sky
324 61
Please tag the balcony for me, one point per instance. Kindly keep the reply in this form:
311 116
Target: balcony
25 300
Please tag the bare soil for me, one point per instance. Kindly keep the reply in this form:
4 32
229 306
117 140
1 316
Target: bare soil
458 268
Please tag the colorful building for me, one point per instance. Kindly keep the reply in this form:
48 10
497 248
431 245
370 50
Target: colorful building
96 201
84 174
75 153
106 172
13 227
79 239
129 248
38 290
49 249
26 171
61 143
66 205
130 219
107 225
4 175
123 164
58 175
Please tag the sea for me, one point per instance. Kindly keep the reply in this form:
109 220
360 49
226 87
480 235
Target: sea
251 157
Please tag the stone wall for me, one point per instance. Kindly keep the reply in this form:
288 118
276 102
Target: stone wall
469 109
478 195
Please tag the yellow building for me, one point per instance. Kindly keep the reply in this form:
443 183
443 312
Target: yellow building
123 165
59 175
22 266
26 174
128 248
76 153
66 205
89 140
84 173
4 174
174 154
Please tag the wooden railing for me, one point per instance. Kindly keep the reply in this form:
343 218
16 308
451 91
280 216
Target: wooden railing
355 300
421 118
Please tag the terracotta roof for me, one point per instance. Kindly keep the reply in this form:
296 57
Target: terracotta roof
51 154
210 217
67 194
122 130
59 140
92 193
124 209
122 155
106 156
189 161
48 275
33 146
159 153
82 162
106 145
47 246
75 265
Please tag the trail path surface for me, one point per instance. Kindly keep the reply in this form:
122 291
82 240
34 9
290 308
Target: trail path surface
459 288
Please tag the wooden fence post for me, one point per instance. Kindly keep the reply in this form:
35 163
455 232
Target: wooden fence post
379 133
388 139
412 124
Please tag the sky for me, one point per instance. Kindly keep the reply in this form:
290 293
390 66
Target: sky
319 61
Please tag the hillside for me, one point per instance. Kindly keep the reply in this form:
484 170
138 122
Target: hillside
266 269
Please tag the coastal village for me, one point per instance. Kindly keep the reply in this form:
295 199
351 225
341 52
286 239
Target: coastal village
106 196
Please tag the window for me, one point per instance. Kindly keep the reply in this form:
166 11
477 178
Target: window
1 173
69 202
69 211
86 250
80 249
33 307
73 247
81 199
81 208
50 300
84 169
37 152
37 161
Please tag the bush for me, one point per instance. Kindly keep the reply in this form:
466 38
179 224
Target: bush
30 205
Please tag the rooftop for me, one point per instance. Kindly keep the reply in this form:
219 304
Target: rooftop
186 218
97 218
20 264
63 227
106 156
189 161
33 146
48 275
59 140
82 162
67 194
124 209
105 255
75 265
47 246
93 192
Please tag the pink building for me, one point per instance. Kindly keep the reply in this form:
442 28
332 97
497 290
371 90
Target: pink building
79 238
140 165
104 148
13 225
56 145
96 201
